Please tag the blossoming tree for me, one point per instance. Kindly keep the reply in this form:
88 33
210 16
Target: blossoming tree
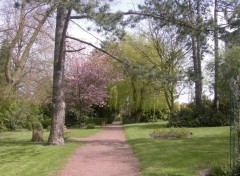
87 80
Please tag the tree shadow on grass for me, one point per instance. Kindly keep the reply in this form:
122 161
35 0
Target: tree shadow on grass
10 142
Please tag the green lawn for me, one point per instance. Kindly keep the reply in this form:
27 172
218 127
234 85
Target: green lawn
178 157
19 157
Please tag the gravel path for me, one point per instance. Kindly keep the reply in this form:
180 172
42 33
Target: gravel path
106 153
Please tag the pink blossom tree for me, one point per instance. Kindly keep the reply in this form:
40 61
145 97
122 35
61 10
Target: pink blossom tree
87 80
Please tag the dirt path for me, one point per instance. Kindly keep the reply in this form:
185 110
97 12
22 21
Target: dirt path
104 154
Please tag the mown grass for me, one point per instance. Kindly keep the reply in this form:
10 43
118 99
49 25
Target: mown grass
178 157
20 157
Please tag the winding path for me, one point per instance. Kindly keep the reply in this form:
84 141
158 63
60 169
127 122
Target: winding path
106 153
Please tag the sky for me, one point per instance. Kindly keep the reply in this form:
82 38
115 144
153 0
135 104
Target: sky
93 37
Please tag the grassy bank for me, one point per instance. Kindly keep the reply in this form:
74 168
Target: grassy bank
19 156
178 157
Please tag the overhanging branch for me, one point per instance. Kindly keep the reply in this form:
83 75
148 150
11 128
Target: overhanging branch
103 51
71 51
79 17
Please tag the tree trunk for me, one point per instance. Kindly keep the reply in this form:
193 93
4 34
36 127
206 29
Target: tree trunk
198 83
56 136
196 54
216 52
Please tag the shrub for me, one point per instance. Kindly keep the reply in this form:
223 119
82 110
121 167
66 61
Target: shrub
3 128
37 126
90 126
192 116
218 168
73 119
110 118
171 133
96 121
118 118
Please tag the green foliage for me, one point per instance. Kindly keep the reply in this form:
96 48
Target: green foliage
104 112
16 113
90 126
218 168
118 118
37 126
46 111
135 90
96 121
192 116
171 133
72 119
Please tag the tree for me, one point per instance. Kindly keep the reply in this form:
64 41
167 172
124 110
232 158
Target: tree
216 54
189 18
56 136
22 38
93 11
142 78
87 82
169 62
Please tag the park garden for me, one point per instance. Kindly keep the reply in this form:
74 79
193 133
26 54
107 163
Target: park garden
168 70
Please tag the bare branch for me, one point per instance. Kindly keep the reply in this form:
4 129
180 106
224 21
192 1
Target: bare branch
71 51
103 51
5 30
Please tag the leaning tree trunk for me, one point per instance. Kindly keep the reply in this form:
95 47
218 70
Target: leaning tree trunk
56 136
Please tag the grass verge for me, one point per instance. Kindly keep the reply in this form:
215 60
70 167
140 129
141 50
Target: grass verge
178 157
19 156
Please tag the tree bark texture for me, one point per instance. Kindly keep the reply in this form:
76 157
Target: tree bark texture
56 136
216 53
198 83
196 54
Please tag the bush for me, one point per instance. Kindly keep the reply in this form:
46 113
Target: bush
171 133
96 121
110 118
192 116
220 171
118 118
72 119
218 168
90 126
3 128
46 122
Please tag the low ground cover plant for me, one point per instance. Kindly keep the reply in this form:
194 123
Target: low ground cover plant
166 133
